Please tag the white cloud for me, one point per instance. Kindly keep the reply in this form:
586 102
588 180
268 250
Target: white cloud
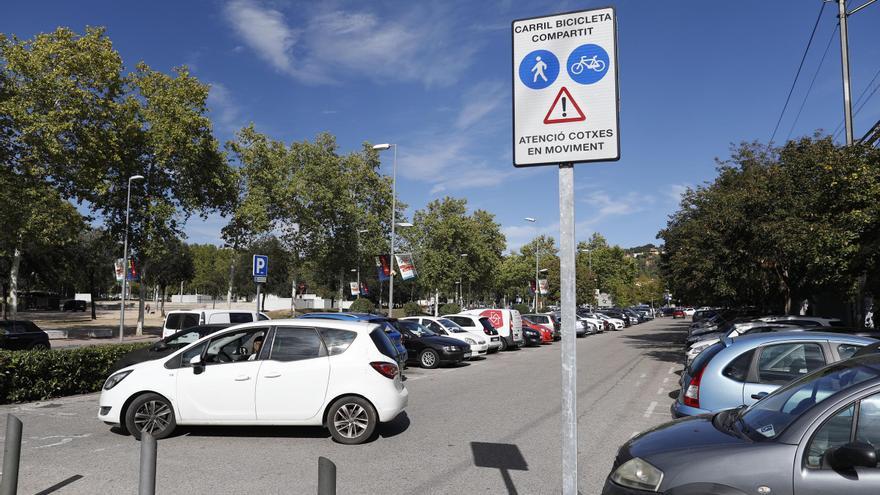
675 191
226 112
421 44
481 102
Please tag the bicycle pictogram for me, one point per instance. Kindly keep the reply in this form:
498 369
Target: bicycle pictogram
588 63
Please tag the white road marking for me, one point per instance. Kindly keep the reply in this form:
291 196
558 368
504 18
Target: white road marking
644 375
650 410
659 390
64 439
672 370
666 380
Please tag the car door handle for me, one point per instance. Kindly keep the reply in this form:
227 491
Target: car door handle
272 375
760 395
242 378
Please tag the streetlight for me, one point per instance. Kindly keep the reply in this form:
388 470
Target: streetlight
125 259
537 254
460 289
383 147
358 269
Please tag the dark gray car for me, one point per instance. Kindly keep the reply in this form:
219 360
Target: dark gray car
817 435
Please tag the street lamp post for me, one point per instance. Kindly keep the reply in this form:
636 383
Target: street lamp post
359 232
460 287
383 147
125 258
537 253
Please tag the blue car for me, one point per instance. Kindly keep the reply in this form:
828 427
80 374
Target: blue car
743 370
392 332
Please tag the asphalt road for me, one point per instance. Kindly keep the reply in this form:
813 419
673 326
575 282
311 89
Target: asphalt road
491 426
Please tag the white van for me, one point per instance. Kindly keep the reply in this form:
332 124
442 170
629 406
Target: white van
176 321
478 325
508 322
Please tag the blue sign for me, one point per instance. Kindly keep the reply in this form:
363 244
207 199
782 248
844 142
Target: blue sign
588 64
261 265
539 69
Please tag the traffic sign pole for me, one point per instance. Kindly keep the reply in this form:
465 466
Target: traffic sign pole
258 296
569 354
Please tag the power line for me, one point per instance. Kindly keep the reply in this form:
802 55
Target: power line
859 99
801 109
793 83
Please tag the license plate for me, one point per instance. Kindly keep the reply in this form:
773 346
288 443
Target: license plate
495 339
467 354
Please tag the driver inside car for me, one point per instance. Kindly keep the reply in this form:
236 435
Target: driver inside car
257 345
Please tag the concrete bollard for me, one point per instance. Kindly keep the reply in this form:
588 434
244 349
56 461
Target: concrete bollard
11 456
326 476
147 485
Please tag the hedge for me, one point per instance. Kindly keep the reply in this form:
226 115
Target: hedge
412 309
450 309
39 375
361 305
522 308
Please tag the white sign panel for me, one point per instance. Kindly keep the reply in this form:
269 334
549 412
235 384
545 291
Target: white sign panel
565 95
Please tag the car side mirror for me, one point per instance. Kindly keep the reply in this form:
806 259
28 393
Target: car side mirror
851 455
197 365
760 395
160 346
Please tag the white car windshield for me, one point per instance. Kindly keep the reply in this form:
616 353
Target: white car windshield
451 326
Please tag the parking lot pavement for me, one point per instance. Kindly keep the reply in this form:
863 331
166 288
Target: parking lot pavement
489 426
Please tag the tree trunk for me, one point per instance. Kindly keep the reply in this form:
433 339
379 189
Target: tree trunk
3 302
13 280
162 304
141 300
263 302
292 297
436 303
92 291
231 276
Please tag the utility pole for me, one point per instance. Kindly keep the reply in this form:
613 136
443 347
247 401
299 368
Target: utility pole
844 65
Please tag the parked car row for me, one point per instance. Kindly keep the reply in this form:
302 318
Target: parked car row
338 370
792 402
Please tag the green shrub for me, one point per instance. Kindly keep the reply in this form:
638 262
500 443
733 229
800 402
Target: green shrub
412 309
39 375
361 305
450 309
522 308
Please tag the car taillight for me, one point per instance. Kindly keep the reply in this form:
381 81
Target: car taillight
388 370
692 394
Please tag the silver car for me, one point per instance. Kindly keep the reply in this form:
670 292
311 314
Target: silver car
741 371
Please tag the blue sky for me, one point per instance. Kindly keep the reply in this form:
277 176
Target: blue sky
434 77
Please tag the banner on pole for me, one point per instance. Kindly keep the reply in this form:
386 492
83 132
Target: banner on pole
353 286
383 267
129 271
543 286
406 265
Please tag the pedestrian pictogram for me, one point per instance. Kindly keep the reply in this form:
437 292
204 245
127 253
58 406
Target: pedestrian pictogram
564 109
539 69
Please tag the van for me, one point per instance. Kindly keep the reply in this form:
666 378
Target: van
508 322
178 320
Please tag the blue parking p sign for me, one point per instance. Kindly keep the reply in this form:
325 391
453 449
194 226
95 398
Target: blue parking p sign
260 268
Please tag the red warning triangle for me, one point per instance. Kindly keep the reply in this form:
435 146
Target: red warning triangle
566 112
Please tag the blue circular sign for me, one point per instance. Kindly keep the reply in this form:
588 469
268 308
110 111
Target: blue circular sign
588 64
539 69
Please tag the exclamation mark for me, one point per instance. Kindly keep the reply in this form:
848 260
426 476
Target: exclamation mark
563 106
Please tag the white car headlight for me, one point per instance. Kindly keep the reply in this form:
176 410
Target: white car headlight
637 473
115 379
470 341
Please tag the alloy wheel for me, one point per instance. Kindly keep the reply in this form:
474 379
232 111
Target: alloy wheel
428 359
152 416
351 420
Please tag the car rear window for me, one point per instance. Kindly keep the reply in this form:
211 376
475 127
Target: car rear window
704 357
487 325
173 320
240 318
738 369
296 344
337 341
383 343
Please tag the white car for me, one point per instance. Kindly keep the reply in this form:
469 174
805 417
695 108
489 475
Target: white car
617 323
448 328
479 326
689 311
342 376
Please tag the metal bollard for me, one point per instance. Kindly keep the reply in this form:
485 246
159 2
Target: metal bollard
326 476
11 456
147 484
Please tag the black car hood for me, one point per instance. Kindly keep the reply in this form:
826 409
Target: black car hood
141 355
691 433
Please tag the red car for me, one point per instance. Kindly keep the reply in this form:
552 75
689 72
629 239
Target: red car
678 313
546 333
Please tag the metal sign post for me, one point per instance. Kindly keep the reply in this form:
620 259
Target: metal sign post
260 272
565 111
